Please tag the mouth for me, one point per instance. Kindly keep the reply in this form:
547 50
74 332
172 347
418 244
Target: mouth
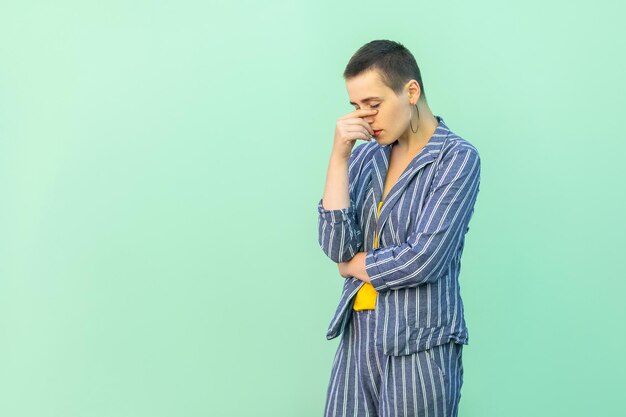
377 132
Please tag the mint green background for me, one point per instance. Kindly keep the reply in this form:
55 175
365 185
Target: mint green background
160 166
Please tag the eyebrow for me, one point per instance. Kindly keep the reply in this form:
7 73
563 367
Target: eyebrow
365 100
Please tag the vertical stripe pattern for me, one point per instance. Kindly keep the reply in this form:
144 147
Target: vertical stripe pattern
421 232
366 382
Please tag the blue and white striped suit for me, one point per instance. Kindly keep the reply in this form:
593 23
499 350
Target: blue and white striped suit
421 227
364 382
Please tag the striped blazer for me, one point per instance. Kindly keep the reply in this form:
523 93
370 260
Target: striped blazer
421 227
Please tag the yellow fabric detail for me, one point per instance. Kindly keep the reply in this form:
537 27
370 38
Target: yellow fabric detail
365 298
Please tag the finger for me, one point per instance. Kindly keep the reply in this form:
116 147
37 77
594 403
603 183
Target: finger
363 124
358 132
359 136
359 113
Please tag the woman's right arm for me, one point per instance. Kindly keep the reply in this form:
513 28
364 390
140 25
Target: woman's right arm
339 235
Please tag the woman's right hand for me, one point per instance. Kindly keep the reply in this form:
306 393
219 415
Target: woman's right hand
351 127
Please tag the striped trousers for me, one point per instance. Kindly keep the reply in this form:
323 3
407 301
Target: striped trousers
365 382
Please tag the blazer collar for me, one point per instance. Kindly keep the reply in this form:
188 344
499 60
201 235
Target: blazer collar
426 155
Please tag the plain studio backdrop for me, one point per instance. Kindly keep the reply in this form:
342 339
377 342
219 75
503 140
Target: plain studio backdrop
160 166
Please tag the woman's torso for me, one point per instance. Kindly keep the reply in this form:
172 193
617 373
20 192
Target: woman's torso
365 298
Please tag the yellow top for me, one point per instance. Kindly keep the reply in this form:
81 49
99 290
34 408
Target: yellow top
365 298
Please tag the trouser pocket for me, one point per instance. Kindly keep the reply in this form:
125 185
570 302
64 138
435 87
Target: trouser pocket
441 356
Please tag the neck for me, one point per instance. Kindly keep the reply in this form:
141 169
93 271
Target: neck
410 141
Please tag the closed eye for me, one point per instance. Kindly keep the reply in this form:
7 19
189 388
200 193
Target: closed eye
373 107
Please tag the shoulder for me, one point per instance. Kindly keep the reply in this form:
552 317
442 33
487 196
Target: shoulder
459 158
455 145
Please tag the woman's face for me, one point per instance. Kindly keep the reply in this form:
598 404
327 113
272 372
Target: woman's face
394 112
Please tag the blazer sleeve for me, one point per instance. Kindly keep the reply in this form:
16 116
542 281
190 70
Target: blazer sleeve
339 233
443 222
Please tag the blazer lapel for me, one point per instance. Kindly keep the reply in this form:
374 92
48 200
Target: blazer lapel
379 171
425 156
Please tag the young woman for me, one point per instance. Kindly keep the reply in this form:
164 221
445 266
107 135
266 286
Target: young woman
393 216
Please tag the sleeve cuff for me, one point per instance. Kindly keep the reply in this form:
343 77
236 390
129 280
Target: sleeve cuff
374 273
336 215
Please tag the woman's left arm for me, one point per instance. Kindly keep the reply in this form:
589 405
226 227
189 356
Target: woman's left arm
444 220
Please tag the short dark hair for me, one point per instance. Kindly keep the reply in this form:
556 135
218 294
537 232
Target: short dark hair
393 61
